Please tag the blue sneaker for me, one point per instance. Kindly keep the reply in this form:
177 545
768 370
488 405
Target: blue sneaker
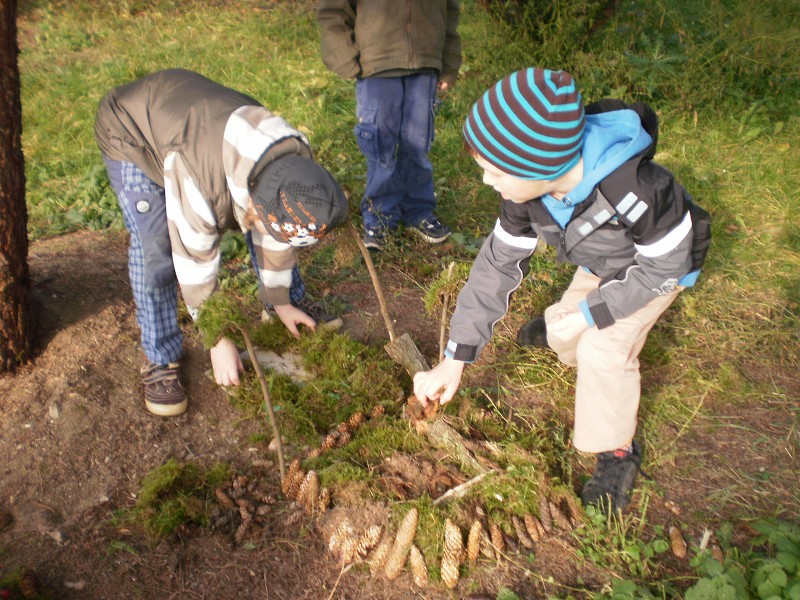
431 229
375 238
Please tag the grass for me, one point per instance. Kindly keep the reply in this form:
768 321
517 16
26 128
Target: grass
723 76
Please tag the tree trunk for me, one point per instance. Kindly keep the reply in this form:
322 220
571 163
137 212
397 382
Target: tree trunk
15 297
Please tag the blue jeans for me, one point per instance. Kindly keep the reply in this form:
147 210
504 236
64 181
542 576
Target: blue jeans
150 268
394 132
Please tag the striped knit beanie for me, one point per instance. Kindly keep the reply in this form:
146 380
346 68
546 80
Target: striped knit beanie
529 124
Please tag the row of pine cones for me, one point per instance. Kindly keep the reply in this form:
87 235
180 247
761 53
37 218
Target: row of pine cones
485 539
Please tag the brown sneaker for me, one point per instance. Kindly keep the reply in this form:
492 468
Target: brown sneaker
163 393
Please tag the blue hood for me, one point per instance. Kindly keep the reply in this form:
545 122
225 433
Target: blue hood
609 140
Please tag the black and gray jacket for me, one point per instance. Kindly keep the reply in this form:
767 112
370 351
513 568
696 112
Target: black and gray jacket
628 222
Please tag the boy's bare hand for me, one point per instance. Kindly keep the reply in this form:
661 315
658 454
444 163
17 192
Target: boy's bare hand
440 383
291 316
567 326
225 362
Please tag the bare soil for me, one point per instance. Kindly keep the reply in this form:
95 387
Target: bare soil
75 441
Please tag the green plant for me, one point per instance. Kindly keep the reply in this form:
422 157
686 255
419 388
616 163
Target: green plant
175 494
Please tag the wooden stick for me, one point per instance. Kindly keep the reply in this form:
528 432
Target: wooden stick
460 490
267 400
445 306
375 281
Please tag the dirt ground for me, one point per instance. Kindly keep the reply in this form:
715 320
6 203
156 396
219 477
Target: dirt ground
76 440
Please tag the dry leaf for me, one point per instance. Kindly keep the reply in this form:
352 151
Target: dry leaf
677 542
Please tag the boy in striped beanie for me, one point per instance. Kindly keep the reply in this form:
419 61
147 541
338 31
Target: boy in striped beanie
582 180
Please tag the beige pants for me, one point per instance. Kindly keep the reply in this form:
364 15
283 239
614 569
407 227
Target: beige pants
608 386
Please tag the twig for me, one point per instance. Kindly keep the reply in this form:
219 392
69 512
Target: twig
375 281
267 400
460 490
445 306
344 570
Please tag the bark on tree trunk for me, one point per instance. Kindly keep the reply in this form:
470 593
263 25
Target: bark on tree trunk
15 299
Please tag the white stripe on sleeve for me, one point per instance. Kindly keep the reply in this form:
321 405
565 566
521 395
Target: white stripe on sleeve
525 243
670 241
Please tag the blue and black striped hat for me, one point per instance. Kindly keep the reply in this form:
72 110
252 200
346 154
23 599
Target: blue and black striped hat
529 124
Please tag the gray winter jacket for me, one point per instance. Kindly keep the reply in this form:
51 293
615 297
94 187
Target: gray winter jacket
638 230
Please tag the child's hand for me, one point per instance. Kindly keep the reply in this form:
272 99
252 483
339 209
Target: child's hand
225 362
566 326
428 384
291 316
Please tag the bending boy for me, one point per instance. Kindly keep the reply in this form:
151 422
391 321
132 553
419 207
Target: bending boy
188 159
583 181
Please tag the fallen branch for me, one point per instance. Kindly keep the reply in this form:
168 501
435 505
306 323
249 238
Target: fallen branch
444 437
267 400
460 490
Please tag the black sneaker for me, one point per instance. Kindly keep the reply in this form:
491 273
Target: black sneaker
432 230
312 309
163 392
375 238
612 480
533 333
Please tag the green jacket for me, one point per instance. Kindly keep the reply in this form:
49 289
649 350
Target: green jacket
364 38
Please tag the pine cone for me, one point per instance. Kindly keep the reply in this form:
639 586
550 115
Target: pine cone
544 514
324 500
294 468
575 512
377 411
522 534
480 514
356 419
510 542
348 550
328 443
29 584
378 558
418 568
474 540
368 539
344 438
294 485
496 536
343 427
223 498
451 554
534 527
487 549
343 532
308 494
559 518
402 544
314 453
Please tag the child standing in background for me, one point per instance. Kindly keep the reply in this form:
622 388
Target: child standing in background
400 53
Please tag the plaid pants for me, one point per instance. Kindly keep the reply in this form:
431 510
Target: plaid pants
150 268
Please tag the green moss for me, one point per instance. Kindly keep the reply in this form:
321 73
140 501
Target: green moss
220 316
173 494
